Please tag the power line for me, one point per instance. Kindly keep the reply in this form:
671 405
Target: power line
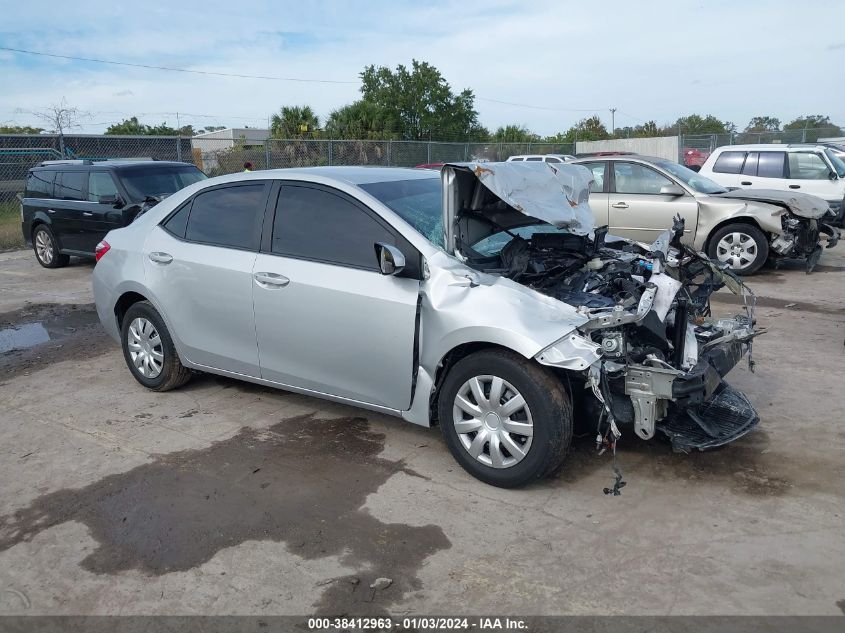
536 107
176 70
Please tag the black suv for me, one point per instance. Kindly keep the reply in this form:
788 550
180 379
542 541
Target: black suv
69 206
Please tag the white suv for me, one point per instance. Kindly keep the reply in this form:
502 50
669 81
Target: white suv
813 169
549 158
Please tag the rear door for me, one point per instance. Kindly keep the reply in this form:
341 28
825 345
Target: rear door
199 262
66 210
98 218
37 196
327 320
639 211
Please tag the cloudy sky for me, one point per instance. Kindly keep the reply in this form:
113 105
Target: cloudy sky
555 61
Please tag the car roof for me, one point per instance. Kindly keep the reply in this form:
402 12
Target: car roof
781 147
348 174
112 164
619 157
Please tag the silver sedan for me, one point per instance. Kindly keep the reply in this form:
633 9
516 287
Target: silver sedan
480 300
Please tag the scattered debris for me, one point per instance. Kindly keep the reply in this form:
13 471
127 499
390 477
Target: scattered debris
381 583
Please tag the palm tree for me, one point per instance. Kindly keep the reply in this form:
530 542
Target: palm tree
294 122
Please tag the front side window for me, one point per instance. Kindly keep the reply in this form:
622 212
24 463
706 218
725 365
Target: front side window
155 182
229 216
634 178
690 178
835 157
100 183
770 164
729 162
69 185
597 170
317 225
39 184
807 166
419 202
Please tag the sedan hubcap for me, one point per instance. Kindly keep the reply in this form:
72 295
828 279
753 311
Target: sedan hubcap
493 421
738 250
145 348
44 247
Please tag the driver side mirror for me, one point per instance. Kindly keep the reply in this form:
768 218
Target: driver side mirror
671 190
111 199
833 175
391 261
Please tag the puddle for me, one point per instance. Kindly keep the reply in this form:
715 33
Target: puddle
23 336
302 482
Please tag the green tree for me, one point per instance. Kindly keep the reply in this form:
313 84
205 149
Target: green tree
133 127
359 120
20 129
294 122
514 134
419 104
763 124
589 129
697 124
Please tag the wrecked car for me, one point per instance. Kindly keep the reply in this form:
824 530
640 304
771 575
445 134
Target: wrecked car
489 305
637 197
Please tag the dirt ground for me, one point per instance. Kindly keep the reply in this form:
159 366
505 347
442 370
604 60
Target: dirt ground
228 498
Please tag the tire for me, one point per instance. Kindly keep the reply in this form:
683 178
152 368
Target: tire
751 244
144 333
46 248
547 411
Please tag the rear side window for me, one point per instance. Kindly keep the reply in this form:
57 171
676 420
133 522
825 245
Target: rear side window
729 162
552 159
39 184
177 223
750 167
771 164
100 183
228 216
69 185
318 225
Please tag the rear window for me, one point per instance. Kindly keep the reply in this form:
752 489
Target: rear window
155 182
729 162
227 216
39 184
69 184
771 164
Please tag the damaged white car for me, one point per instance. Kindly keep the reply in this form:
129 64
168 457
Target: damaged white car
488 304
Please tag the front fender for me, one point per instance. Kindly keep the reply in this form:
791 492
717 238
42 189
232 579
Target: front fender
714 213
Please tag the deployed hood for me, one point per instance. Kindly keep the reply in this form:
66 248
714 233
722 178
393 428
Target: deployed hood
482 198
801 204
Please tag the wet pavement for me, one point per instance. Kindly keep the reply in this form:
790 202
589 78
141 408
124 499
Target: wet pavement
226 497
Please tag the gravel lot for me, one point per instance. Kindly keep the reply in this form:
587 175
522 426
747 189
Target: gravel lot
228 498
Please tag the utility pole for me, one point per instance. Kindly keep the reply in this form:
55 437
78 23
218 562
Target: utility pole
613 121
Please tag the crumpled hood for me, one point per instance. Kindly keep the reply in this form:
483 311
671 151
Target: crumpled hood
519 193
801 204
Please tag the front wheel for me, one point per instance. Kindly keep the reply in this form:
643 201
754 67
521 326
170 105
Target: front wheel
149 351
506 420
743 247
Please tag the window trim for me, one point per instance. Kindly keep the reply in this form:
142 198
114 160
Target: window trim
413 257
259 222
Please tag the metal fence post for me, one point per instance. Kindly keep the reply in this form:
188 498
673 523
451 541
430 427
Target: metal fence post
329 155
179 148
266 153
428 146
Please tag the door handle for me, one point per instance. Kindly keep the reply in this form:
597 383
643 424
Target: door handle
271 280
161 258
87 214
794 186
51 210
745 182
619 205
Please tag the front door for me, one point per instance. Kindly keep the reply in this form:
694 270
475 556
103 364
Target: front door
326 319
199 265
638 210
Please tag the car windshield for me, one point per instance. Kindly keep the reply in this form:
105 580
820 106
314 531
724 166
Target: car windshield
158 181
691 179
493 244
837 162
417 201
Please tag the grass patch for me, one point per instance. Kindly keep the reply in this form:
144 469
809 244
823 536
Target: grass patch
10 225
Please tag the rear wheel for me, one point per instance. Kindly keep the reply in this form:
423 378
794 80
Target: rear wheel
149 351
506 420
743 247
47 248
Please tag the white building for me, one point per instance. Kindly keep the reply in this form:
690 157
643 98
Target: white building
206 146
